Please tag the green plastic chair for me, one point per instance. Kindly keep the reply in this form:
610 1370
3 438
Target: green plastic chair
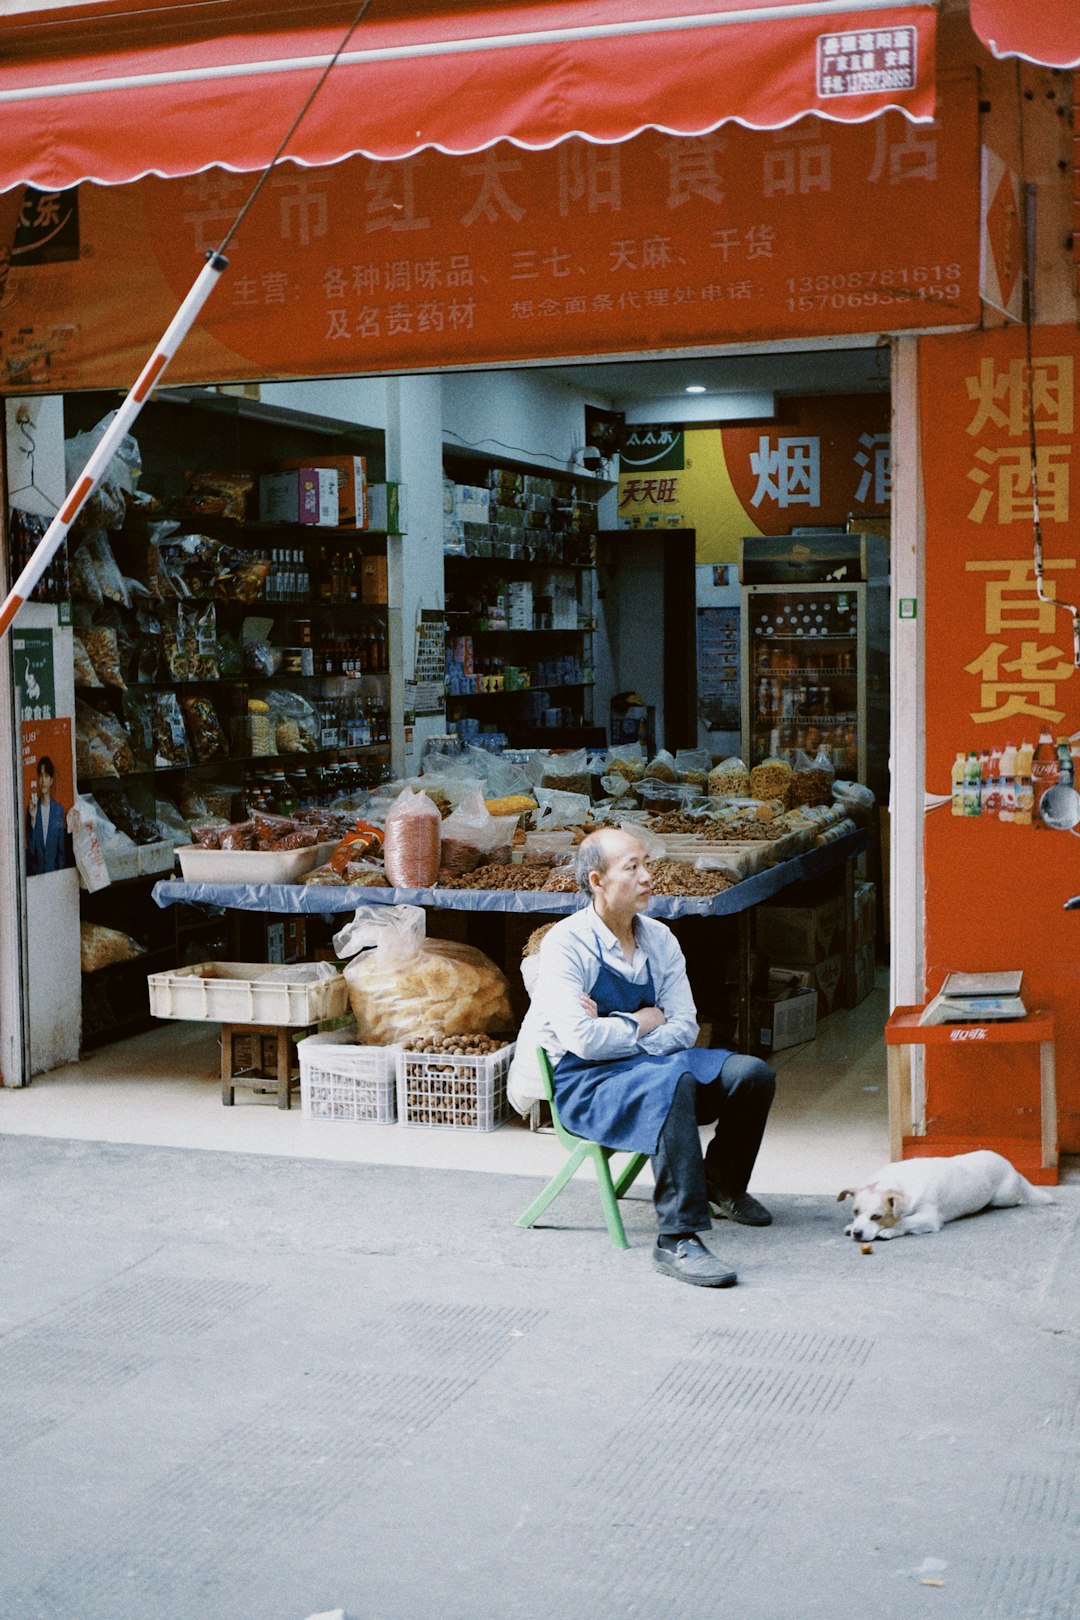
580 1150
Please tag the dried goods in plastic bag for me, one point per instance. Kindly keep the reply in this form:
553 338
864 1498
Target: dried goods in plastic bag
100 947
102 648
413 839
85 673
86 822
440 988
170 738
730 779
208 740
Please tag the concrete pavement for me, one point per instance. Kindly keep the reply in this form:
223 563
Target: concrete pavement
236 1387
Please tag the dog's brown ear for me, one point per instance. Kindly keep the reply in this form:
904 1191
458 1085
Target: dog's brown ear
848 1192
892 1199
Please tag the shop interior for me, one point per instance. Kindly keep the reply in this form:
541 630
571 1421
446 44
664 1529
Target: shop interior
654 556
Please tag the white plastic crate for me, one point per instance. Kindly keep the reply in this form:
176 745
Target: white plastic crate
248 993
452 1092
341 1079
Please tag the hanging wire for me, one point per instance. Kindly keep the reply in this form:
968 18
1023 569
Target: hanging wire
1029 378
294 126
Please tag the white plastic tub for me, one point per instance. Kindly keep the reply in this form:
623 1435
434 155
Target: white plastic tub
248 993
200 865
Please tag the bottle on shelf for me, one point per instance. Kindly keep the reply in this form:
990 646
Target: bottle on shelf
1044 771
972 779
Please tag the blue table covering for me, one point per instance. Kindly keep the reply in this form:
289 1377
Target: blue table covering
297 898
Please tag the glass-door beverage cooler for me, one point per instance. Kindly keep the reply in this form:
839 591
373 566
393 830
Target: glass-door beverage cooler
805 674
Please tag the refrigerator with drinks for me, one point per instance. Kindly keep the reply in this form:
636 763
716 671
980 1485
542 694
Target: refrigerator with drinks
815 675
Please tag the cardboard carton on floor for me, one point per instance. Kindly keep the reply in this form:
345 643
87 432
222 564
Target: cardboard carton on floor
827 978
801 934
787 1018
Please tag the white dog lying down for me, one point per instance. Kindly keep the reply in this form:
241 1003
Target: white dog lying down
920 1195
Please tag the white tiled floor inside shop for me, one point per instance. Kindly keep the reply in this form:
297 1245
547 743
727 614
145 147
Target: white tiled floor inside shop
829 1124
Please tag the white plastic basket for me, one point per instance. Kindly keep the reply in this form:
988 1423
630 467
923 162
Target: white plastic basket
446 1091
247 993
341 1079
198 865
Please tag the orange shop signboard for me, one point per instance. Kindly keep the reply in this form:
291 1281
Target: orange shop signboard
1000 676
654 244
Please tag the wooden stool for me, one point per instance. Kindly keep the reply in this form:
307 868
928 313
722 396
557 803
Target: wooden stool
252 1054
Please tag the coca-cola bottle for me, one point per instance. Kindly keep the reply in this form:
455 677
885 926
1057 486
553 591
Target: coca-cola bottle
1044 771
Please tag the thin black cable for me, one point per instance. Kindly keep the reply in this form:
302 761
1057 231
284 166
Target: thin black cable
350 31
1029 363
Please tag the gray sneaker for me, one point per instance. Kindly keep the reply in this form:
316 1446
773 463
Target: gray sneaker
691 1262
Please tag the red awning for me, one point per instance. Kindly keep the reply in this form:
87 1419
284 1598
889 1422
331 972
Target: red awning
115 90
1042 31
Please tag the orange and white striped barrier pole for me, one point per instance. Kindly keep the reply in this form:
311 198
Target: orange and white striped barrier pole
92 473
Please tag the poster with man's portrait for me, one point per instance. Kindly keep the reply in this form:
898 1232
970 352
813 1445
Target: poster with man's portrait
48 793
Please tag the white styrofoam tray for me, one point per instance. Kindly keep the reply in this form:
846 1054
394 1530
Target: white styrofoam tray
200 865
247 993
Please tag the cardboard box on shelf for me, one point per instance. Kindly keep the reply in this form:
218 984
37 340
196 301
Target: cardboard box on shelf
305 495
373 585
386 508
798 934
351 474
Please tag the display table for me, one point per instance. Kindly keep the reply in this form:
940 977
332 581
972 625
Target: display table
738 901
296 898
903 1031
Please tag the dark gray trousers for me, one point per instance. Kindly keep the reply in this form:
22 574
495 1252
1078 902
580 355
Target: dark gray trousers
739 1102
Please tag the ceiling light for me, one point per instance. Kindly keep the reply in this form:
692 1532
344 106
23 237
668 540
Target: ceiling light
695 388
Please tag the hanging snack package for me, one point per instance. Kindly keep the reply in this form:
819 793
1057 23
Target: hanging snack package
205 667
85 673
170 738
83 577
112 582
172 643
107 506
212 494
102 648
208 740
413 840
139 720
410 986
102 747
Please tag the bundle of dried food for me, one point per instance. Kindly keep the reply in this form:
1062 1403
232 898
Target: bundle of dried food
771 780
102 947
208 740
730 779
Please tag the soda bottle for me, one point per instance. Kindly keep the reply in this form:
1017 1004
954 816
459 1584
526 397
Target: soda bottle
1044 771
1025 800
991 803
958 784
971 785
1065 762
1007 803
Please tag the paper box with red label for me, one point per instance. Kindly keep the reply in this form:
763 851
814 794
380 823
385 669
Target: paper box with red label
351 473
306 495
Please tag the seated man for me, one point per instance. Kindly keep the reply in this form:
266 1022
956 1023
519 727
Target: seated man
613 1009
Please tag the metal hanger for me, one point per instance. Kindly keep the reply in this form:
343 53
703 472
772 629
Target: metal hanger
25 424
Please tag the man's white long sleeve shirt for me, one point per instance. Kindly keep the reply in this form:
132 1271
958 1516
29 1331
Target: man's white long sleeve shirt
567 966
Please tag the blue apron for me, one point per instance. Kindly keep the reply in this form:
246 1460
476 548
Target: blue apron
623 1102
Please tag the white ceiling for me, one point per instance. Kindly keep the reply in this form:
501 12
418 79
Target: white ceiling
826 371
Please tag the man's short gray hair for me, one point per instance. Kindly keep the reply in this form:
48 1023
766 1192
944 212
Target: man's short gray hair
592 856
